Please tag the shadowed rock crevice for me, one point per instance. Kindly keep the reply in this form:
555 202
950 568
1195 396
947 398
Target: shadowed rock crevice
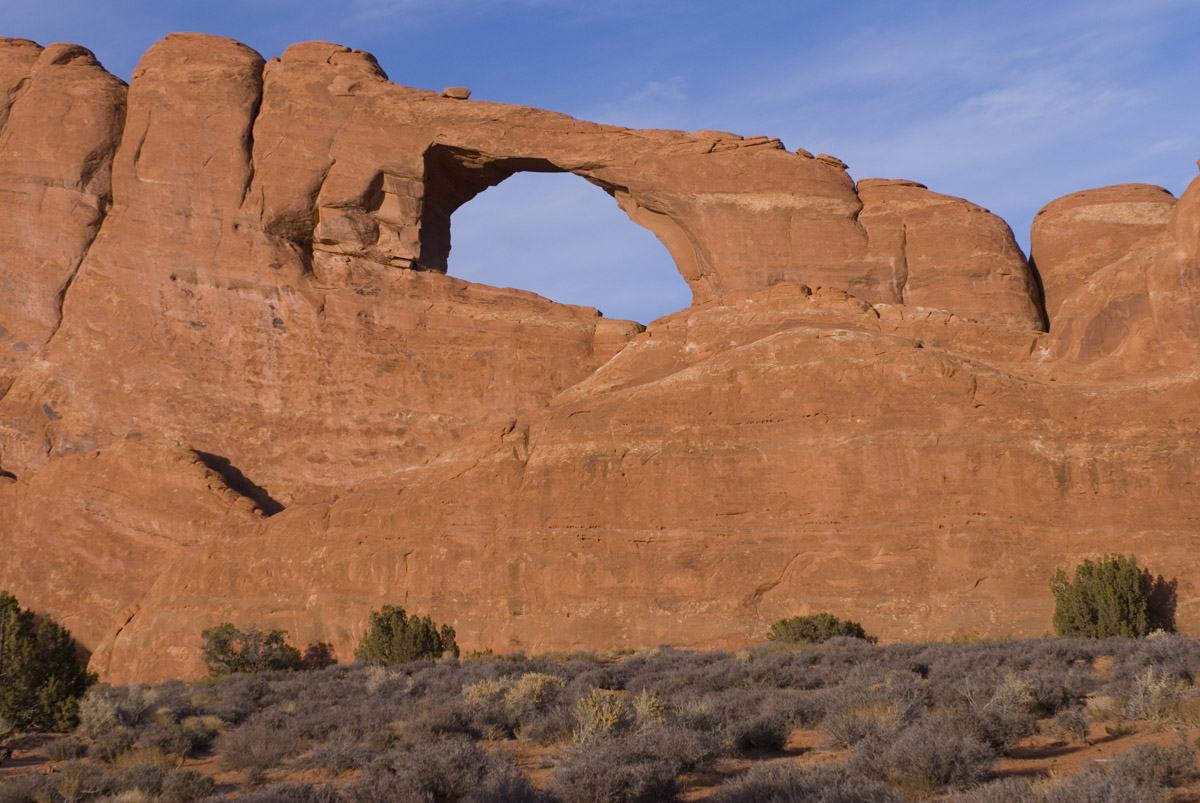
239 482
1041 294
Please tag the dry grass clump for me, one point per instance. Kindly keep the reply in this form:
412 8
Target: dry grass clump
599 714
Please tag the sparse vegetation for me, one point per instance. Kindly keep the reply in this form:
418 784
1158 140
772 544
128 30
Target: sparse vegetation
393 637
844 720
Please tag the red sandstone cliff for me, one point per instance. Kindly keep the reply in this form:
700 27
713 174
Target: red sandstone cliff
222 295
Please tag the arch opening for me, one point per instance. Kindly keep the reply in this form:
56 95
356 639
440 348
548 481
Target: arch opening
549 234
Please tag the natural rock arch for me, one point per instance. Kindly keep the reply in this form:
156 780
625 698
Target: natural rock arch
454 176
561 236
861 413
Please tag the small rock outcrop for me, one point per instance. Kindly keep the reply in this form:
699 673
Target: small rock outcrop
236 383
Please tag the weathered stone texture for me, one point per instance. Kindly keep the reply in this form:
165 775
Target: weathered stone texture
60 120
247 391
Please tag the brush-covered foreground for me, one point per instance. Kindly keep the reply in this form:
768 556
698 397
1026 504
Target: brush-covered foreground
1053 720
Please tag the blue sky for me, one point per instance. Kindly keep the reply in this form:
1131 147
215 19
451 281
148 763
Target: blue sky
1008 104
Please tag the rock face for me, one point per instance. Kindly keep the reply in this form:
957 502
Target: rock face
60 120
236 383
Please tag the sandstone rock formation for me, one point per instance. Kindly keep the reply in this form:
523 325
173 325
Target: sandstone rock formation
245 389
60 120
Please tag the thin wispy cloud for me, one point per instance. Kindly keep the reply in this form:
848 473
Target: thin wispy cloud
655 104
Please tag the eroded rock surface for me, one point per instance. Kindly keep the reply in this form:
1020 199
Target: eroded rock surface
61 116
248 391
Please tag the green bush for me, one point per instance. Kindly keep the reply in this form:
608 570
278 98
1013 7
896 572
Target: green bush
41 677
1111 597
813 629
228 649
393 637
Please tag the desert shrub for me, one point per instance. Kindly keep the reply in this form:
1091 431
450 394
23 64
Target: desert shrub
816 628
236 697
228 649
1111 597
998 711
97 712
1170 654
201 732
1053 686
1154 695
648 710
144 754
752 719
172 699
671 673
599 713
501 708
793 783
111 744
170 738
1097 787
688 750
492 721
27 787
80 780
292 793
533 693
856 712
65 749
437 718
142 777
1002 790
804 709
867 717
393 637
766 730
626 769
134 704
929 756
552 726
41 677
259 744
339 755
444 771
486 690
318 656
697 715
185 786
1072 723
789 669
1153 766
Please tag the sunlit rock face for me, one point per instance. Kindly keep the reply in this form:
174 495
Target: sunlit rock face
238 385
